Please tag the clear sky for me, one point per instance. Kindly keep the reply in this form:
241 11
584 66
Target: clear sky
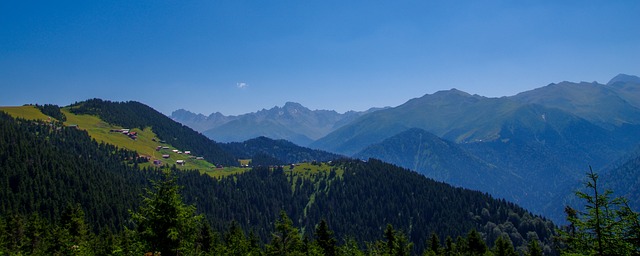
242 56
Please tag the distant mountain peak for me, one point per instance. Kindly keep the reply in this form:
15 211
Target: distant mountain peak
290 104
182 111
185 114
624 78
446 95
453 91
294 108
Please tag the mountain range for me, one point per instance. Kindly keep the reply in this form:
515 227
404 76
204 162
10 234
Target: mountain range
530 148
292 122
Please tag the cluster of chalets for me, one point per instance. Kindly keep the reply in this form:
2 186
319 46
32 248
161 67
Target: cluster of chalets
132 135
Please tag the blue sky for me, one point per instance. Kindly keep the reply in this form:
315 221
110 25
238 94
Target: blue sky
241 56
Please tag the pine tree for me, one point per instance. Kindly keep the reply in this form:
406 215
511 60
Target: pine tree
325 239
235 240
606 227
433 246
350 248
73 221
390 235
205 242
402 245
449 247
254 243
286 239
164 223
533 248
504 247
475 243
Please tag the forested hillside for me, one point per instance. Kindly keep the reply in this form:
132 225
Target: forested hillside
133 114
624 179
48 169
44 167
262 149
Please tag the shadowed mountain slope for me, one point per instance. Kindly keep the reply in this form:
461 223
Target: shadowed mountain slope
445 161
282 151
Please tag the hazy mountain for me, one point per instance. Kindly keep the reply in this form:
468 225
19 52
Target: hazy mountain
445 161
628 87
460 117
292 122
200 122
551 152
453 115
605 105
624 178
624 79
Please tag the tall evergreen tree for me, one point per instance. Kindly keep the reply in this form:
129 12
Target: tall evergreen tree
533 248
286 239
205 242
325 239
402 245
350 248
449 246
163 222
434 244
235 240
73 221
504 247
475 243
390 235
604 228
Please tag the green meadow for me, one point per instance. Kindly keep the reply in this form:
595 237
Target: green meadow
26 112
145 143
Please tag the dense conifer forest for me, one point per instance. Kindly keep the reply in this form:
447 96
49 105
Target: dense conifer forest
45 167
266 151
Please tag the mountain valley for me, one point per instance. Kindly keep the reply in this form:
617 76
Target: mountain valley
528 148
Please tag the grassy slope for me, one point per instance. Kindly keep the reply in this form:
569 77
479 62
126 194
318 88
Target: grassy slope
26 112
144 144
